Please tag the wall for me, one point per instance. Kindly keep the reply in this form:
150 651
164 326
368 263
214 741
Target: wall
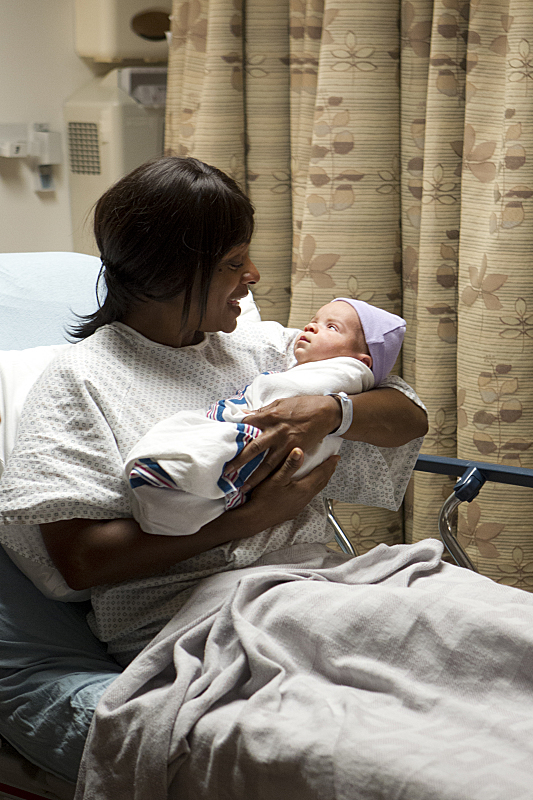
39 70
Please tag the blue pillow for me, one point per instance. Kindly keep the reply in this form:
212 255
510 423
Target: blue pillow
40 295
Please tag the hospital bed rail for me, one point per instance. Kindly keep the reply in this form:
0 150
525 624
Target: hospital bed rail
474 474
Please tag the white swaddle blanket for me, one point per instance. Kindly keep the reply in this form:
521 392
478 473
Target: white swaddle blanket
176 469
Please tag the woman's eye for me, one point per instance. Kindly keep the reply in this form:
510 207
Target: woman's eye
235 266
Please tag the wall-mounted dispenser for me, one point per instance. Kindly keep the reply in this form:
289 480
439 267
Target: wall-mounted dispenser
38 145
119 30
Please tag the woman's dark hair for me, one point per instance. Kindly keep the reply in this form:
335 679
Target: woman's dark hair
161 230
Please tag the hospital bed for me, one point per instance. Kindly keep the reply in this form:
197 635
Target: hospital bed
38 294
473 476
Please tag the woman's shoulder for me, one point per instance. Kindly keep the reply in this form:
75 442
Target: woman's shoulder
100 359
105 344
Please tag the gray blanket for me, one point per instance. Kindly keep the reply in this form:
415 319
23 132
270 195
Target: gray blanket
391 675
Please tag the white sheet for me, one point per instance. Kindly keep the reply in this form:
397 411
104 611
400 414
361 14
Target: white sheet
391 675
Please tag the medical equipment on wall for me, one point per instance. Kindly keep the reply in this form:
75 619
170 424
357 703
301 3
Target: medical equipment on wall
116 30
114 124
36 143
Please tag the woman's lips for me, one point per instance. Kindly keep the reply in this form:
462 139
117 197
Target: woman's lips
237 300
234 305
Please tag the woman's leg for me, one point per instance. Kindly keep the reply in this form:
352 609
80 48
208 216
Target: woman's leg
53 671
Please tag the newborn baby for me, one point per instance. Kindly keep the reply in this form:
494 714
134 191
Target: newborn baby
177 471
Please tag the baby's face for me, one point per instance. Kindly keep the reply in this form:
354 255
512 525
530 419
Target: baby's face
335 330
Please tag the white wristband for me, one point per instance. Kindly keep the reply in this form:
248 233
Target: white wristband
346 410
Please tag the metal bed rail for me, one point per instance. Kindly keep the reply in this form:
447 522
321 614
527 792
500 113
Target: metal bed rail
340 537
474 475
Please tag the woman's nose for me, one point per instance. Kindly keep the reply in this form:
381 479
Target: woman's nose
251 273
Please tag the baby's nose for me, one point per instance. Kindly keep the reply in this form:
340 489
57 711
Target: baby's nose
311 326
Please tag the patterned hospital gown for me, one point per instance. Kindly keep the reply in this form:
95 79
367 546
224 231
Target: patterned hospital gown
100 397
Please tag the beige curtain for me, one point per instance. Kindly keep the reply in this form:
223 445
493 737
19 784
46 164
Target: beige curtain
228 105
393 163
467 223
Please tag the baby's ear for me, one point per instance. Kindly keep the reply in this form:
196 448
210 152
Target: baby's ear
366 359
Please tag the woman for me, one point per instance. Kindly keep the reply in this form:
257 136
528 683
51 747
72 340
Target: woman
173 237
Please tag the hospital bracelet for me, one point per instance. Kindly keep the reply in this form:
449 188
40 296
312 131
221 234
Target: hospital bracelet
346 410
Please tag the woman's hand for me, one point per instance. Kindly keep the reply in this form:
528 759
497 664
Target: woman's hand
280 498
295 422
382 417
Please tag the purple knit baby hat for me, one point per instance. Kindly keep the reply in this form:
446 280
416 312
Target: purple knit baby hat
384 334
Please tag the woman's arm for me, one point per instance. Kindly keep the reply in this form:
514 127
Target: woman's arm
94 552
384 417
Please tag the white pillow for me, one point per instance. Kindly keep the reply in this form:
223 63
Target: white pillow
42 294
19 369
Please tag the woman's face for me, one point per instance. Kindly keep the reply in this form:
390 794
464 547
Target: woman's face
229 284
162 321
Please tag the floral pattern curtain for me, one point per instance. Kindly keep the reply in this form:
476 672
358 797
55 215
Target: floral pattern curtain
388 149
467 238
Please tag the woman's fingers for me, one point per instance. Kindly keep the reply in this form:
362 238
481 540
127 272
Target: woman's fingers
285 424
268 466
249 452
281 498
292 464
269 463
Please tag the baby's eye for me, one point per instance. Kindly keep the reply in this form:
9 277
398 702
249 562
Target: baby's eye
333 327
